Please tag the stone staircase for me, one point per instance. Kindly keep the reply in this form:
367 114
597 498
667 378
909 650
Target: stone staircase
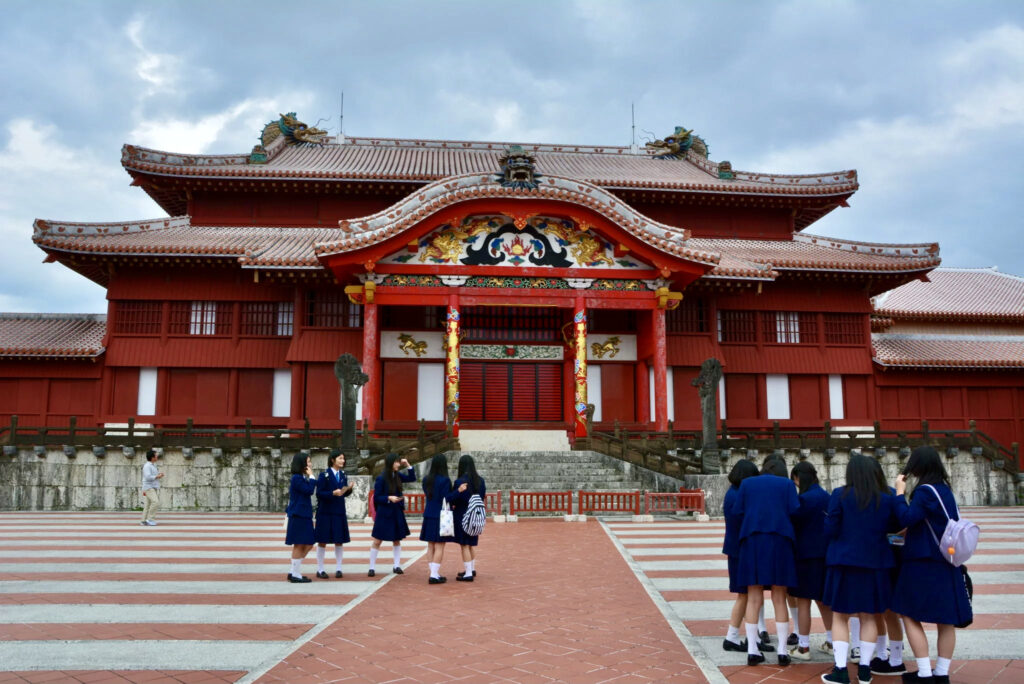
548 470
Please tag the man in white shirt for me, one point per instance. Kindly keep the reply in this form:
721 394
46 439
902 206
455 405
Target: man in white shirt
150 488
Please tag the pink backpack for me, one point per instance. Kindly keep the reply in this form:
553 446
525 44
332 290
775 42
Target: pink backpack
959 539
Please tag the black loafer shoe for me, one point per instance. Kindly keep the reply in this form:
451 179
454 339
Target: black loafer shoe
755 659
733 646
321 575
464 572
371 573
463 578
764 646
436 580
784 659
864 674
337 574
793 640
882 667
298 580
398 571
765 639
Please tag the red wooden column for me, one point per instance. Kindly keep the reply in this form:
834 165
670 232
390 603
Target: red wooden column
451 363
579 324
643 393
660 370
371 390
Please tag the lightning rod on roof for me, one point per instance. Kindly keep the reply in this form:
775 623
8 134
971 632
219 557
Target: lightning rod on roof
341 119
632 116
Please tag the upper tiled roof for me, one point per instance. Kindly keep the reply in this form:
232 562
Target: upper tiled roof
948 351
429 160
52 335
957 294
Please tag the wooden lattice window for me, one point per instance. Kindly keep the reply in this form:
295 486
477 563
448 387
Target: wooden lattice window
690 317
138 318
737 326
332 310
844 328
511 324
791 327
266 319
200 318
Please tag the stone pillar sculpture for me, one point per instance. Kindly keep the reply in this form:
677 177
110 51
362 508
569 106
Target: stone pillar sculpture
707 384
351 377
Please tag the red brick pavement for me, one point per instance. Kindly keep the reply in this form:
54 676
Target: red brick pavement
545 608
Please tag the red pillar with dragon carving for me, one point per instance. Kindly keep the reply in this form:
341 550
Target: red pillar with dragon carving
451 364
579 326
660 370
371 366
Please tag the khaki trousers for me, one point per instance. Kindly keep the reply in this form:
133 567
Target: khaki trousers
150 504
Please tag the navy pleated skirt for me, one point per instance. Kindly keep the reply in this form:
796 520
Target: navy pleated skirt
430 531
300 531
767 560
461 537
850 589
810 579
332 529
390 528
932 591
733 586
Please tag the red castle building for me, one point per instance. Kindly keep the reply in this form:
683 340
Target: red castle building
498 285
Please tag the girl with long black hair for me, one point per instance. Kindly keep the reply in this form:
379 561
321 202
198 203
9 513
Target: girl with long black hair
299 534
731 548
390 524
436 486
929 588
811 544
332 488
468 483
860 517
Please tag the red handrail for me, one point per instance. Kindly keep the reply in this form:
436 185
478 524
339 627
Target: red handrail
540 502
610 502
675 502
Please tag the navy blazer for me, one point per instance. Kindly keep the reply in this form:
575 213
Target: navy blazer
380 495
809 523
299 491
859 536
460 500
442 486
924 509
766 503
731 545
326 502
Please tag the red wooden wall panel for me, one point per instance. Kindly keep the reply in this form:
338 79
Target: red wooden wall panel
686 398
741 397
400 384
855 397
323 394
72 397
549 395
496 391
471 391
805 399
124 399
255 393
524 391
618 396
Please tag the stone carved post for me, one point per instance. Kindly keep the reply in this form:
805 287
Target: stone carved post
707 384
351 377
451 367
580 368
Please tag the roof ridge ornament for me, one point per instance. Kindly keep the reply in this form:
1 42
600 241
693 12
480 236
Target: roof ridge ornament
517 169
292 130
676 145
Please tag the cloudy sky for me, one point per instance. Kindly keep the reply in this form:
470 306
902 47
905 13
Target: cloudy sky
924 99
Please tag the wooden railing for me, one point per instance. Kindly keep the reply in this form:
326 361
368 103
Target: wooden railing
415 503
609 502
687 500
540 502
675 453
413 445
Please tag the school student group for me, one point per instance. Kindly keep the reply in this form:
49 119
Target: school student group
453 513
873 558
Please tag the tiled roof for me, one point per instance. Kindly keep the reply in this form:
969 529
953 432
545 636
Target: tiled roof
948 351
52 335
963 294
429 160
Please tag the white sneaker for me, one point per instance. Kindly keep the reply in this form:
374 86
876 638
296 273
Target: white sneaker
854 654
826 647
143 523
151 523
798 654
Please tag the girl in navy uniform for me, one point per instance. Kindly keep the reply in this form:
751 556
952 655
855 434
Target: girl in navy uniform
436 485
929 588
860 517
300 515
390 524
811 544
766 557
731 548
467 484
332 488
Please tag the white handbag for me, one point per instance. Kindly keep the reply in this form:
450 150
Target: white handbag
447 527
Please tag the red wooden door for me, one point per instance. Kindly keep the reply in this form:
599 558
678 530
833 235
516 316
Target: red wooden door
496 391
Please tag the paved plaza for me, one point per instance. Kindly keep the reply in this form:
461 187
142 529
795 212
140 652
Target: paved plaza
94 597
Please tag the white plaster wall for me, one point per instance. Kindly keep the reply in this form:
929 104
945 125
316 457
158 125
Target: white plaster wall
778 397
594 389
147 392
281 406
835 397
430 391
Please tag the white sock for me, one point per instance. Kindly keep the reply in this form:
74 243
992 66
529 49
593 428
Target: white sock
828 635
296 567
467 569
761 627
842 652
339 552
752 639
321 551
854 630
794 616
895 653
373 558
472 567
782 630
941 666
867 651
880 644
397 553
924 667
804 640
435 570
733 634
